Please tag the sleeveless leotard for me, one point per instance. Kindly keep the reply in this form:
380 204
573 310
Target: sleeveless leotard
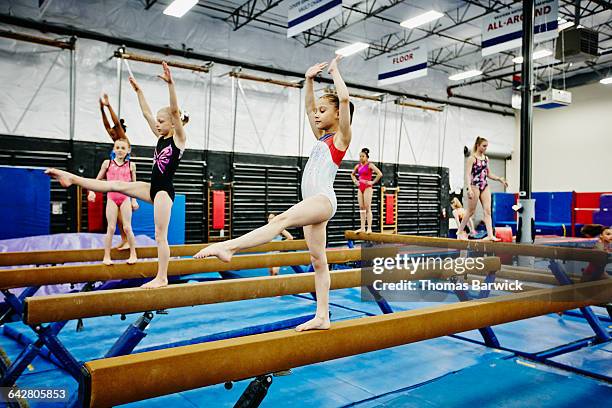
117 172
165 162
365 174
321 168
480 171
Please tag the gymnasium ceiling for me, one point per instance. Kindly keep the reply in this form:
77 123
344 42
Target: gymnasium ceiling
454 40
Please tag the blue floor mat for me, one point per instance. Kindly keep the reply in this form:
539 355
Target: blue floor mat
502 383
329 384
346 380
595 359
538 334
12 350
368 377
184 323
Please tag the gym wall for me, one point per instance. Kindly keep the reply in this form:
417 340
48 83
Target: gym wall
565 157
269 118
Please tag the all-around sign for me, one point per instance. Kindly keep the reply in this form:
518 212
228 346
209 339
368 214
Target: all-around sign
305 14
504 30
401 66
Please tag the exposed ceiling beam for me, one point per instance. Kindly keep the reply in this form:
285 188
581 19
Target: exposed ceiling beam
400 39
149 3
352 15
249 11
130 43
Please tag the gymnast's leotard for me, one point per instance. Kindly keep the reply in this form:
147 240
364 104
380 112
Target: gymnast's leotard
321 168
165 162
365 174
480 171
118 172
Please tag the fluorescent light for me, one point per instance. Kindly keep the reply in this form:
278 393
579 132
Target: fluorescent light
465 75
352 49
536 55
563 24
606 81
421 19
178 8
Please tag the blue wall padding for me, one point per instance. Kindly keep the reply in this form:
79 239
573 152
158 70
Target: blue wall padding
542 206
605 201
143 223
560 207
602 217
25 202
553 212
555 207
502 208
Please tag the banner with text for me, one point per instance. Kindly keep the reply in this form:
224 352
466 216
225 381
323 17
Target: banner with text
401 66
504 30
305 14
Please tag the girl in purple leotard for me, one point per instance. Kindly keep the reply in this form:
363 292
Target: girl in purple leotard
478 173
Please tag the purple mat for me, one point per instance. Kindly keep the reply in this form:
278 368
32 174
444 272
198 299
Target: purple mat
56 242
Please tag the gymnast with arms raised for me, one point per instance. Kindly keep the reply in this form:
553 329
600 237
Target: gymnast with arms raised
330 121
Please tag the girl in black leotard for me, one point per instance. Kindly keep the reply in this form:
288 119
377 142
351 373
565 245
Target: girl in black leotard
171 139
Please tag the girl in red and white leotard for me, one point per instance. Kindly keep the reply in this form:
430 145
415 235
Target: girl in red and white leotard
118 169
364 171
330 121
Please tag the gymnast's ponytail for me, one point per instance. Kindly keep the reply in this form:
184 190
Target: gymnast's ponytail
479 141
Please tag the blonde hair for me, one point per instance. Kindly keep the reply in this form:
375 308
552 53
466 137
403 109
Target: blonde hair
183 114
478 142
455 203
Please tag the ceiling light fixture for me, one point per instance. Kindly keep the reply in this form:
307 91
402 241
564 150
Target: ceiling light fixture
421 19
465 75
178 8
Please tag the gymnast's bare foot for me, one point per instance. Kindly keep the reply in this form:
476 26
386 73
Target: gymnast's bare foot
462 236
64 178
359 230
155 283
107 261
219 250
316 323
369 231
123 246
491 238
132 259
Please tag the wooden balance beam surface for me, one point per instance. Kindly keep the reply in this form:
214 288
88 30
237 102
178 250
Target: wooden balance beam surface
54 308
136 377
93 255
494 248
16 278
526 276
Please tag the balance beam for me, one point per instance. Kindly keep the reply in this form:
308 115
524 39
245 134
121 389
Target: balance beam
496 248
54 308
136 377
525 276
92 255
16 278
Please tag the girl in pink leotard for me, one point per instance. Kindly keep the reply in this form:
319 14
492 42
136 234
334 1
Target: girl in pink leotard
117 131
119 169
364 171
